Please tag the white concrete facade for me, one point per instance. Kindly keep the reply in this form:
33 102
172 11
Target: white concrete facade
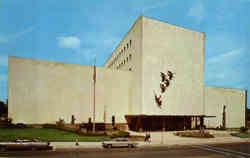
43 92
127 83
234 101
181 51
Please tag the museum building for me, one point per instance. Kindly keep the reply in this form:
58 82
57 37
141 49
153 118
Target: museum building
154 80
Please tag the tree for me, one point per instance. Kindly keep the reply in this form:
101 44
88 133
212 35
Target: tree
3 109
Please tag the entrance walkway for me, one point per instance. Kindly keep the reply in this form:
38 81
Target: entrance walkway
168 138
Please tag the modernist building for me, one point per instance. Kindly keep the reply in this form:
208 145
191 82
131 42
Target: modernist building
153 80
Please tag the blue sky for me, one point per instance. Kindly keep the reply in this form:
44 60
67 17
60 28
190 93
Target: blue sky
76 31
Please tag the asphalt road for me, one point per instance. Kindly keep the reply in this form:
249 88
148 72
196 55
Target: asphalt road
236 150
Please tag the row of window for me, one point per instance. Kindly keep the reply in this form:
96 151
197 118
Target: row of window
124 61
122 51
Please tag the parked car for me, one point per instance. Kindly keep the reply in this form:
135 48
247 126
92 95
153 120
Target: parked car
119 142
24 144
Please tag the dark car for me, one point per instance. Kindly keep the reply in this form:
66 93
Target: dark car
24 144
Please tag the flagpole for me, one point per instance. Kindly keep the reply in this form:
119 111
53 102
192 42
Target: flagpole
94 96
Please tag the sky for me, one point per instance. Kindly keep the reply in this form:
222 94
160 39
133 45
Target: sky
76 31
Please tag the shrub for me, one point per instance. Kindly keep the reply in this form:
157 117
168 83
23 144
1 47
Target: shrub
60 123
49 125
120 134
194 134
74 130
6 122
95 134
21 125
243 129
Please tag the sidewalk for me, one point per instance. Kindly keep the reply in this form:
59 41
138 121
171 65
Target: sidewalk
169 138
160 139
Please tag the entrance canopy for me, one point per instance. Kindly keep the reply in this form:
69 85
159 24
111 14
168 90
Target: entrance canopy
164 122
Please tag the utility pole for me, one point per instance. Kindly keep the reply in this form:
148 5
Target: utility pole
94 78
104 115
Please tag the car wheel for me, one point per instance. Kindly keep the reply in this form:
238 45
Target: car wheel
109 146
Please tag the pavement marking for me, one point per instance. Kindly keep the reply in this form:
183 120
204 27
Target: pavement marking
227 150
217 151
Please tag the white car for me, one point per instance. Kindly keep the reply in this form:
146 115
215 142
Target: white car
119 142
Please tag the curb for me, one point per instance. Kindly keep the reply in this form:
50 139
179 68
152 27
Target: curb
141 147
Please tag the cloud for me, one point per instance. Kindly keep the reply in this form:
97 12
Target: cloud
4 61
228 69
147 8
218 42
225 57
7 38
86 46
197 11
3 39
69 42
100 47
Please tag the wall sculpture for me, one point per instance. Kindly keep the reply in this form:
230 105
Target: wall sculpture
164 84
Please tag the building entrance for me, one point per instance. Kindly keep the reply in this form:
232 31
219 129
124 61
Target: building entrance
164 122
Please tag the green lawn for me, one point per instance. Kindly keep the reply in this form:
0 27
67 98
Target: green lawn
46 134
241 135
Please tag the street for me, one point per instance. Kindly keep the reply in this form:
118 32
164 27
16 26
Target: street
237 150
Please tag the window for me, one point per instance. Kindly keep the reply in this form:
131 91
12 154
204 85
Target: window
127 59
124 61
127 45
130 56
124 49
130 43
130 69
